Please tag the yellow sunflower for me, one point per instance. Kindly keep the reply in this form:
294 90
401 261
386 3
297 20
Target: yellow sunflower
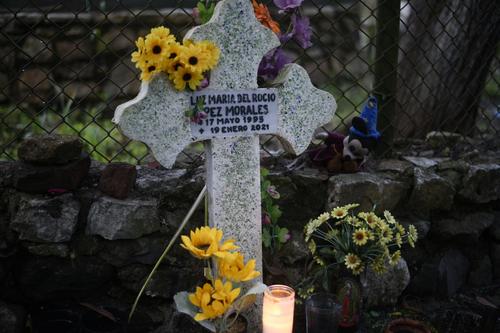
352 261
156 48
163 33
213 300
195 58
171 62
183 77
139 56
233 267
205 242
148 70
212 50
360 236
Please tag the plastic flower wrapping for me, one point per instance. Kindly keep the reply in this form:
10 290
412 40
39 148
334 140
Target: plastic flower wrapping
186 64
358 240
217 303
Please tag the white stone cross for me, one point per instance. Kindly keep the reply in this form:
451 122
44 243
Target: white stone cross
157 117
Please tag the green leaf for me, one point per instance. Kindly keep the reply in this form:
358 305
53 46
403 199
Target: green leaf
183 305
275 213
264 172
282 233
205 12
266 237
189 113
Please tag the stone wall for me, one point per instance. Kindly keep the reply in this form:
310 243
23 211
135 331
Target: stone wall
83 245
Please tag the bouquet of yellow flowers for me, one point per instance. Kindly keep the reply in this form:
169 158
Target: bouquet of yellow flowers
185 64
357 240
214 303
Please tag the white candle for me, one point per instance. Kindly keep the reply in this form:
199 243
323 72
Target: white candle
277 312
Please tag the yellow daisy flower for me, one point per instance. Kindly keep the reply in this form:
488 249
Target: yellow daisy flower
360 236
205 242
400 229
389 218
394 258
353 220
312 246
352 261
385 235
412 235
339 212
398 240
324 217
378 265
233 267
183 77
358 269
370 218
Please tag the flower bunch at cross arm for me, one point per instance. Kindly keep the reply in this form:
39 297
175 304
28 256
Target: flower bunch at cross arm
215 297
185 63
358 240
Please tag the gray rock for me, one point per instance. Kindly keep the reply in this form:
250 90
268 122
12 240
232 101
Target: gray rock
495 259
295 249
482 183
384 289
423 162
153 181
50 149
440 139
123 219
453 270
367 189
43 278
466 230
458 165
430 192
482 273
309 187
12 318
494 230
45 219
393 165
44 250
425 281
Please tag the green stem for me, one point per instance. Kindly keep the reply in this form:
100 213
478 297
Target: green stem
167 249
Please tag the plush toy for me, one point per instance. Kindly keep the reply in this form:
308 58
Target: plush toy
346 154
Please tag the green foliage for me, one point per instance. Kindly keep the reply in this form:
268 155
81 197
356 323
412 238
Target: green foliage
273 236
206 10
101 138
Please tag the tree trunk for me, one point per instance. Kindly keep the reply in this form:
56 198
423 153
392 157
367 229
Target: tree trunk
446 49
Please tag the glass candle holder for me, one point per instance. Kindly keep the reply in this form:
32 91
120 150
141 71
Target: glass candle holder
277 311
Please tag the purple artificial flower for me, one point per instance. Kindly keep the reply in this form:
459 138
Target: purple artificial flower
273 193
272 63
287 4
266 220
302 31
204 83
288 236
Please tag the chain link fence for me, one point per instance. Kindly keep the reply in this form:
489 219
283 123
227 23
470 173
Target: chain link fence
65 66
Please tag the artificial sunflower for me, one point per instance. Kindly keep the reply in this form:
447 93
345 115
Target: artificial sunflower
385 235
163 33
389 218
360 236
324 217
205 242
233 267
212 50
183 77
138 57
213 300
263 16
156 48
352 261
148 69
194 58
398 240
225 293
370 218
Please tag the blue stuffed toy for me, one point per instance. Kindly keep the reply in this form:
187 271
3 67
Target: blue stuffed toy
363 134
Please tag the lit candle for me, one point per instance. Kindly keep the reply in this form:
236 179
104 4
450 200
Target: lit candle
277 312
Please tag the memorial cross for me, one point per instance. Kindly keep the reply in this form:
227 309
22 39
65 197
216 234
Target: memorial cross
240 112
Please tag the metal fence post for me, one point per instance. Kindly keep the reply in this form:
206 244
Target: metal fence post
386 62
